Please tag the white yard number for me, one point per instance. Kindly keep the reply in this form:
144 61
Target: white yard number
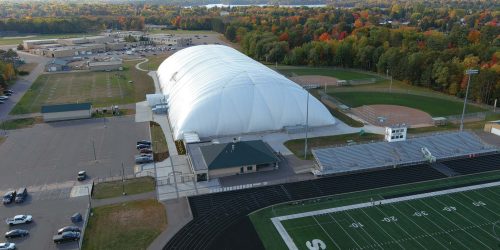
316 245
449 209
390 219
478 203
420 213
356 225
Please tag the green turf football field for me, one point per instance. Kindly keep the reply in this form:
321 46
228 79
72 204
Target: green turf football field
462 220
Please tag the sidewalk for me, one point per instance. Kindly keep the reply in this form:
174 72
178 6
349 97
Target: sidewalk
134 197
178 215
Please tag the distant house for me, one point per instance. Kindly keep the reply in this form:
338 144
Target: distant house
218 160
71 111
57 65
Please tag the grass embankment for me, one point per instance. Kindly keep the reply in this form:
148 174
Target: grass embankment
20 123
272 240
160 147
336 112
111 189
129 225
297 145
477 125
431 105
2 139
100 88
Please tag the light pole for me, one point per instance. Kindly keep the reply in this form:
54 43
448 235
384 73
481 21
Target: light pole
468 72
93 146
307 120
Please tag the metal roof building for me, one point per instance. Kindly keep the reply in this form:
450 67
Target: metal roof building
71 111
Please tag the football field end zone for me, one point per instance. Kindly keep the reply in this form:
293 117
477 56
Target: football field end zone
291 245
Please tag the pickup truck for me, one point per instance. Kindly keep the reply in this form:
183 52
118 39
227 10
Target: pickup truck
19 219
66 237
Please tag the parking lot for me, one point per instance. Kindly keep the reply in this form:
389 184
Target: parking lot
48 156
48 216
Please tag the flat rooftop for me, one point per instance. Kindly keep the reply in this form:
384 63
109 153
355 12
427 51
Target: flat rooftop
362 157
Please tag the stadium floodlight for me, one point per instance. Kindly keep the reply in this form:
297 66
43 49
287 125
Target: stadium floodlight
468 72
307 87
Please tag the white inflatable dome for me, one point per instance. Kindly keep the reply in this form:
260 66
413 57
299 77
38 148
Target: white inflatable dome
215 90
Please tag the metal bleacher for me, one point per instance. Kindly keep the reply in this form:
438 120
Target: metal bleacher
362 157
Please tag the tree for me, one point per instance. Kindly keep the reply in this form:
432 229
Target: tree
20 46
9 71
231 33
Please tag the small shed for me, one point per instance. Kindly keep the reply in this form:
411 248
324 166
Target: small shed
71 111
493 127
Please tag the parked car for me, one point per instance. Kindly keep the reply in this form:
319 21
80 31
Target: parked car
17 233
141 146
143 142
21 195
140 159
66 237
68 229
3 97
82 175
145 151
9 197
9 91
19 219
7 94
2 102
7 246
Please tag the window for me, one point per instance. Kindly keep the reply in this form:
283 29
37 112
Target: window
250 168
392 137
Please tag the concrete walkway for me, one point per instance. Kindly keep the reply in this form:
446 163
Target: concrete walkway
125 198
178 215
138 67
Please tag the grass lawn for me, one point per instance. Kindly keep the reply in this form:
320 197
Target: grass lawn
154 61
129 225
19 39
2 139
160 147
20 123
333 72
297 145
111 189
100 88
272 240
433 106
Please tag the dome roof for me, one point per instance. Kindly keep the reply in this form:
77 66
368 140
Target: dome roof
215 90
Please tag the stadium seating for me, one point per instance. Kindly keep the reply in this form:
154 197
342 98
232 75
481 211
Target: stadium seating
475 164
213 213
217 212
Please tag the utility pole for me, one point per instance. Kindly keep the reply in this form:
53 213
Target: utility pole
468 72
93 146
123 180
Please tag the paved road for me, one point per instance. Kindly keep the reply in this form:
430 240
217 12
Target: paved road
23 83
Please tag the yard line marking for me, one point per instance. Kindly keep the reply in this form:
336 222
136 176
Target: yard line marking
344 231
416 224
362 229
454 223
291 245
440 228
489 200
483 206
382 228
492 191
465 217
400 227
314 217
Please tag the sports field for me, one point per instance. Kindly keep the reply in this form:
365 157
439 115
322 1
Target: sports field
100 88
456 216
444 219
333 72
431 105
